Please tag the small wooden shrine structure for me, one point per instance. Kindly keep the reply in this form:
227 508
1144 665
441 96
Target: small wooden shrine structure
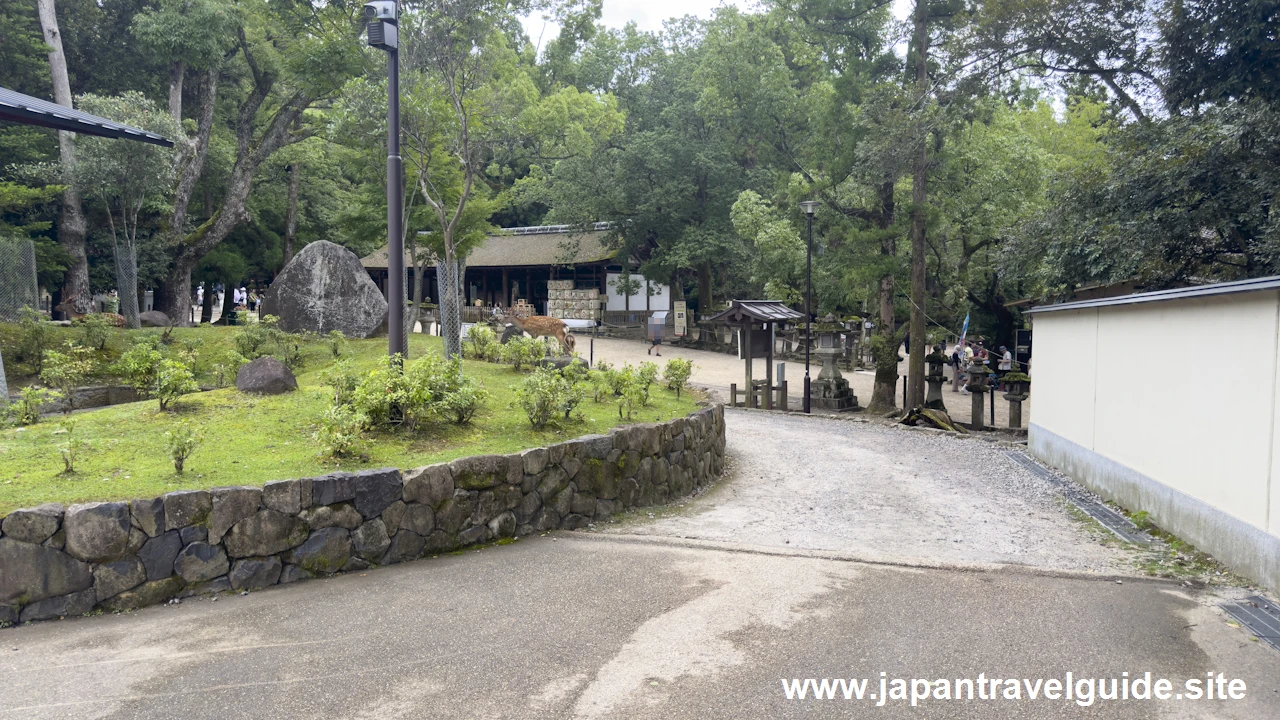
756 321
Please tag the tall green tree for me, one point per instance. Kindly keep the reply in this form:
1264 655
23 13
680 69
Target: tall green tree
472 114
127 178
71 224
282 59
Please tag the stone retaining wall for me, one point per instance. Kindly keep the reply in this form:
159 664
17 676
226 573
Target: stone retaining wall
57 561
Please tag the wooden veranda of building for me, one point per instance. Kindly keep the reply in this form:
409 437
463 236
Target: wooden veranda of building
516 264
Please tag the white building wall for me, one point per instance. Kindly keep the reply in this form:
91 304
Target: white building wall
659 300
1170 407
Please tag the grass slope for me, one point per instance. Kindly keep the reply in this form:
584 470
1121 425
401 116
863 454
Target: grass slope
253 439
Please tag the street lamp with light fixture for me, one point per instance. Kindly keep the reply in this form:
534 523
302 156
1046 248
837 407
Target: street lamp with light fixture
809 207
384 34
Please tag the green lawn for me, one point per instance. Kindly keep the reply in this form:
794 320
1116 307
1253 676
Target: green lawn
254 439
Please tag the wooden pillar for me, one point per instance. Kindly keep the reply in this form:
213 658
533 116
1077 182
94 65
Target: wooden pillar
746 355
528 288
768 368
506 289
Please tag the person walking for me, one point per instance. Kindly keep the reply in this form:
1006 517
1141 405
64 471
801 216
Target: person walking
966 365
957 355
1004 367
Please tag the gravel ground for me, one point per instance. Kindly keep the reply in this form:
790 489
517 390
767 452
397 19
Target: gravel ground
883 493
717 370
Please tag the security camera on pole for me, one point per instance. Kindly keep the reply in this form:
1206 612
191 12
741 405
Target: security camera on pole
383 29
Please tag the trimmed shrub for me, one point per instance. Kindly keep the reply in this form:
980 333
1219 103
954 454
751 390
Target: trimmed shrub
522 351
482 344
181 442
140 364
36 337
67 370
173 380
94 331
31 398
72 448
677 373
339 432
543 395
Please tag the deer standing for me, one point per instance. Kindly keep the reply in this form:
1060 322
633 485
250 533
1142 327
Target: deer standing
543 326
69 309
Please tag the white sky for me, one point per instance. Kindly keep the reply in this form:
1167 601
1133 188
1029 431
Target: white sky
649 14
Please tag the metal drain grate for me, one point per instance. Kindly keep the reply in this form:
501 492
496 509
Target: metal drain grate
1259 616
1118 524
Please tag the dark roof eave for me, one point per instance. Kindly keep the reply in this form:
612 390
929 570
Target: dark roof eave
19 108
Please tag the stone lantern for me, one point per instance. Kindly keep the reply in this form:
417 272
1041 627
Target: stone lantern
1019 390
934 378
978 387
830 389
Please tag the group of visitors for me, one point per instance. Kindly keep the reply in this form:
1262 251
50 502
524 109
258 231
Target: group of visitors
241 297
246 299
971 356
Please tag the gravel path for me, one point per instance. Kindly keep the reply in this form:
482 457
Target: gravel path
883 493
717 370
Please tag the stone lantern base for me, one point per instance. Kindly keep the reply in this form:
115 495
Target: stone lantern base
832 394
933 398
830 391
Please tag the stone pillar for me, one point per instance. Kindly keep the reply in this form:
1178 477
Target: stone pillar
1015 408
935 378
978 388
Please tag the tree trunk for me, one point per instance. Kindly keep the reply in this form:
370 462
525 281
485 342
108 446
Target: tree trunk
919 188
71 222
448 279
127 283
228 302
249 157
176 73
704 288
4 386
206 304
291 215
175 290
884 395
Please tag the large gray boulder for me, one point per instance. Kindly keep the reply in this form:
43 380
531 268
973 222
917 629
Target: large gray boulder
255 573
326 551
324 288
154 318
266 376
201 561
111 579
230 506
33 525
266 532
158 554
33 572
97 532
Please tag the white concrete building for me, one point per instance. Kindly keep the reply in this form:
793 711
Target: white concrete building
1166 402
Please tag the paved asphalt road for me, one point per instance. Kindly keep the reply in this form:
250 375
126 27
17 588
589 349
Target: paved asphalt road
600 625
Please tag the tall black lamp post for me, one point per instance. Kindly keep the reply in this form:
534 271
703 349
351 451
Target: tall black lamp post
809 207
383 28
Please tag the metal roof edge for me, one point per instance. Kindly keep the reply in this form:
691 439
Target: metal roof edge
1186 293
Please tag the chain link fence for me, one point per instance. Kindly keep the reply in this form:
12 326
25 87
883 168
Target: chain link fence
448 276
127 283
18 288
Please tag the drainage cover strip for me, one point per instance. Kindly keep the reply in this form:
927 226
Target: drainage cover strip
1108 518
1259 616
